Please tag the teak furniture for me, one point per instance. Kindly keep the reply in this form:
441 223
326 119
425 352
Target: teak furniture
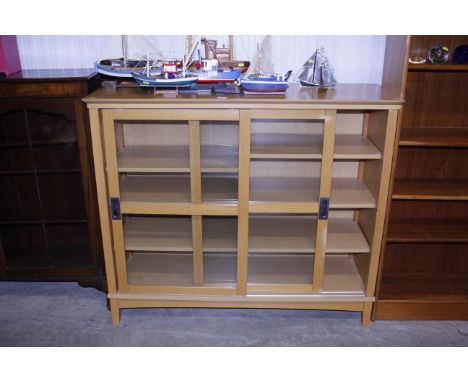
49 226
254 201
424 267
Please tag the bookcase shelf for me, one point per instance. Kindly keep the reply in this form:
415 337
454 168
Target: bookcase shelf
427 233
243 202
428 189
434 137
267 234
309 146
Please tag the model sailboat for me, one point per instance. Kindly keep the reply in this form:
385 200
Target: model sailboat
317 71
263 80
123 67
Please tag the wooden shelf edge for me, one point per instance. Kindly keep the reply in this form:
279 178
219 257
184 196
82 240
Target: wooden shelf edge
423 189
437 68
427 233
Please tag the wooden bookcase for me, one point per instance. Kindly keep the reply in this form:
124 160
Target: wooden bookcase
243 201
424 268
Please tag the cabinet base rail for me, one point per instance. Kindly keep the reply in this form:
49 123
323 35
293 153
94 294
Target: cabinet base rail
353 303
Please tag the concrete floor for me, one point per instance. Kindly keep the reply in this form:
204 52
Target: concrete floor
65 314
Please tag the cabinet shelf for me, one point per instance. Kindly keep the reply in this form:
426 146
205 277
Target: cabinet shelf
158 189
175 159
341 275
437 68
424 189
346 193
309 146
176 269
427 233
434 136
279 234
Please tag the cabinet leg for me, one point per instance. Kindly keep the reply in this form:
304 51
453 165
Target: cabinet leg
115 311
366 314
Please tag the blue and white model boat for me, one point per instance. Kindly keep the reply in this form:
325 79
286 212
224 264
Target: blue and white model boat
171 76
262 81
271 84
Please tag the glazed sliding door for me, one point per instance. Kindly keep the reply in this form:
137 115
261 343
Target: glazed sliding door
291 159
172 178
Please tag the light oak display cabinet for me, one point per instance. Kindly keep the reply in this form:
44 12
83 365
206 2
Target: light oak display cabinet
243 201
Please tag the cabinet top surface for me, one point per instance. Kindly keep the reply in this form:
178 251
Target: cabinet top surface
342 94
30 75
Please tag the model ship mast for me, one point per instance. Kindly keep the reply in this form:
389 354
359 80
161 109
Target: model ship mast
224 55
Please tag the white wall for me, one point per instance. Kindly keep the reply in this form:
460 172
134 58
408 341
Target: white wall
355 58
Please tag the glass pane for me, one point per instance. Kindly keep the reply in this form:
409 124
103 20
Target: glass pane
220 251
62 196
152 147
57 157
13 128
159 250
52 127
16 159
24 245
19 198
219 160
68 245
281 249
286 139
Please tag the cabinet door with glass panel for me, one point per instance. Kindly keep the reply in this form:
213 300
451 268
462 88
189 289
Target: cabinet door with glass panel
173 188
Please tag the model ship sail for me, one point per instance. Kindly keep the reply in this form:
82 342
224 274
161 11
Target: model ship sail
317 71
262 62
